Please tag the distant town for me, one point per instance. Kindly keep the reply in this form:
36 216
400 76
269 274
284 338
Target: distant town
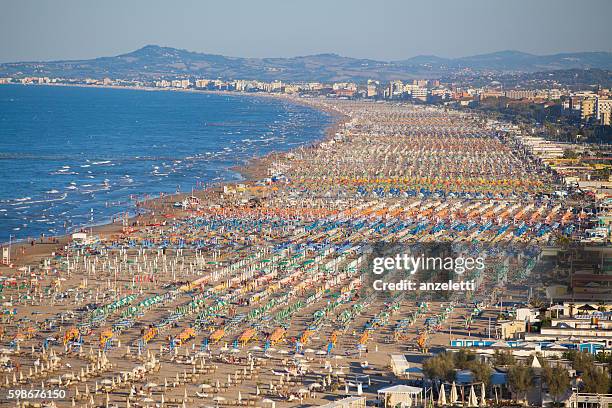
588 106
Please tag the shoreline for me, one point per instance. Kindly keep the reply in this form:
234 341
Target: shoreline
22 251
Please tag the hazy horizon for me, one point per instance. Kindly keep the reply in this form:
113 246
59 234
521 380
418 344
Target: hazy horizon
388 31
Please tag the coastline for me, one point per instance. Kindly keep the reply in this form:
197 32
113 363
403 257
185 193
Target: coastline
23 251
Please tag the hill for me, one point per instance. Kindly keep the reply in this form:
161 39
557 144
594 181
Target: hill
154 62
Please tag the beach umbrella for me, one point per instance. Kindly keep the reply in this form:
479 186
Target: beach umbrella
442 396
483 401
453 394
239 397
472 400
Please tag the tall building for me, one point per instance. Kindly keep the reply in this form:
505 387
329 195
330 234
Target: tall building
372 89
520 94
604 111
419 93
587 108
201 83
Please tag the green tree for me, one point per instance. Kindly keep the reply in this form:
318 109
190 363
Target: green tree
558 381
503 358
581 361
463 357
441 366
482 371
596 381
520 379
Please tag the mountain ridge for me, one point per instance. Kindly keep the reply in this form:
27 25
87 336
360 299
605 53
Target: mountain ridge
153 62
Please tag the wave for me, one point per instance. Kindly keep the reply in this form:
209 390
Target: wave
60 198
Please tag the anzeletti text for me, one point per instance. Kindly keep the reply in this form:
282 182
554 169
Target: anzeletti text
407 285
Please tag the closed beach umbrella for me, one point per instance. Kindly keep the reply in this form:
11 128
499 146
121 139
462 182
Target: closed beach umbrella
442 396
483 401
453 394
472 400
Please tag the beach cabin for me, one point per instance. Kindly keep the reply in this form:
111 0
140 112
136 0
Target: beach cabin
400 395
79 237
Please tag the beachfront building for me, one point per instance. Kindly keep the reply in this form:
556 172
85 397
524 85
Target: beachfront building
181 83
585 400
420 94
202 83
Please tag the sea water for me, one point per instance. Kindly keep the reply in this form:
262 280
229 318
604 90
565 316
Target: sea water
77 156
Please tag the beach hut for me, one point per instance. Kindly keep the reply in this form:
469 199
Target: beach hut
79 237
400 394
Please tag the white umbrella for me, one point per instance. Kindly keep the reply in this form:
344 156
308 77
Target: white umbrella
453 394
472 400
483 401
442 396
239 397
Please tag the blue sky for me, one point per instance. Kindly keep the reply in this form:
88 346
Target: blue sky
383 29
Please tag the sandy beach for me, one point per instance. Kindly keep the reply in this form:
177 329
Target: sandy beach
259 293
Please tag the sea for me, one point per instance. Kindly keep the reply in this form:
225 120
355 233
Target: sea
72 157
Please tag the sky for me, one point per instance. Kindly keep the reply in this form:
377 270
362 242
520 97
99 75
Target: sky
33 30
